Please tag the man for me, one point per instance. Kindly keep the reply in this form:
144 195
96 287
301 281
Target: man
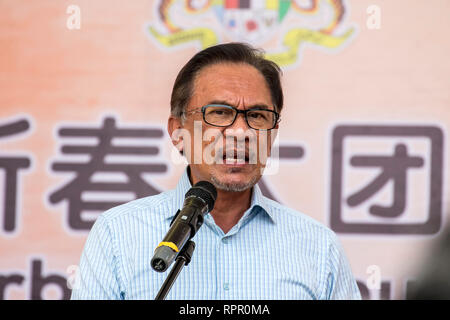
249 247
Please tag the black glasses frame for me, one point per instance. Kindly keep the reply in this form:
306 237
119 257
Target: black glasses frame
244 112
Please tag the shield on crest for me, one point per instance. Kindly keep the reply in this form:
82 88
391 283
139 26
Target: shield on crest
251 21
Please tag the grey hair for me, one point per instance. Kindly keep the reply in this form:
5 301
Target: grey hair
229 52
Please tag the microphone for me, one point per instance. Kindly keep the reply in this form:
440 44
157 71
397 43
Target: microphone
198 201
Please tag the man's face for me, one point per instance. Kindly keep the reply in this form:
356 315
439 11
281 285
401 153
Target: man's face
235 162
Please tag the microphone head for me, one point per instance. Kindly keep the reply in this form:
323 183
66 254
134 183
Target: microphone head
204 190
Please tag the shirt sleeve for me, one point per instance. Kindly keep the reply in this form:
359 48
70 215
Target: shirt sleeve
97 275
340 282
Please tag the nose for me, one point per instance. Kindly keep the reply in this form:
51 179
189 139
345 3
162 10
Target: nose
240 132
239 123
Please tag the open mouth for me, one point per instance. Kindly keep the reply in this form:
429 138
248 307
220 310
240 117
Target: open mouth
233 157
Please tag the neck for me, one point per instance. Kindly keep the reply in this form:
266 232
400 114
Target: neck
229 206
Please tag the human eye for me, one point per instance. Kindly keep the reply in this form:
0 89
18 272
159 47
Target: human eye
257 114
220 111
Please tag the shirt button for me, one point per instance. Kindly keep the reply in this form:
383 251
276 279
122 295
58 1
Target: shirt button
226 286
225 240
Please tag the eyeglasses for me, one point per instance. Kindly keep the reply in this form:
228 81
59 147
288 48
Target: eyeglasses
220 115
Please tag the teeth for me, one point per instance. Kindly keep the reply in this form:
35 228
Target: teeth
231 157
234 160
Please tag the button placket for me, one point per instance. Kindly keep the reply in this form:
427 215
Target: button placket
225 272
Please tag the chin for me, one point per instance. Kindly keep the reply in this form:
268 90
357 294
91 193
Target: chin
232 184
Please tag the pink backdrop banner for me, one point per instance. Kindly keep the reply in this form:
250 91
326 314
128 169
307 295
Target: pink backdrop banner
362 141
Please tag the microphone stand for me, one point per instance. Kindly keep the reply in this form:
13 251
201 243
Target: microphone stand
183 259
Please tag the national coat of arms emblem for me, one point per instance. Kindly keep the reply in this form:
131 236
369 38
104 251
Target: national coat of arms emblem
296 22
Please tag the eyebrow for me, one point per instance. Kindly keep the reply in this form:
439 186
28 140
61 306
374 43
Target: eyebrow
254 106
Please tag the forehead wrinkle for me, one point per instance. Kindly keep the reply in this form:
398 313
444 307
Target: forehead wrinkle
232 86
227 103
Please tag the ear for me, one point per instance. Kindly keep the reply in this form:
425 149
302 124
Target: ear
274 132
272 135
173 124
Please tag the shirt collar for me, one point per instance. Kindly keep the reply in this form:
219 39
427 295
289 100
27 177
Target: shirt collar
184 184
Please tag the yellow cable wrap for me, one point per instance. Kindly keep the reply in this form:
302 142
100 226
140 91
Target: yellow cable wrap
171 245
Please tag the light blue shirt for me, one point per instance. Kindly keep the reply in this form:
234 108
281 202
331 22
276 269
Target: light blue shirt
273 252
